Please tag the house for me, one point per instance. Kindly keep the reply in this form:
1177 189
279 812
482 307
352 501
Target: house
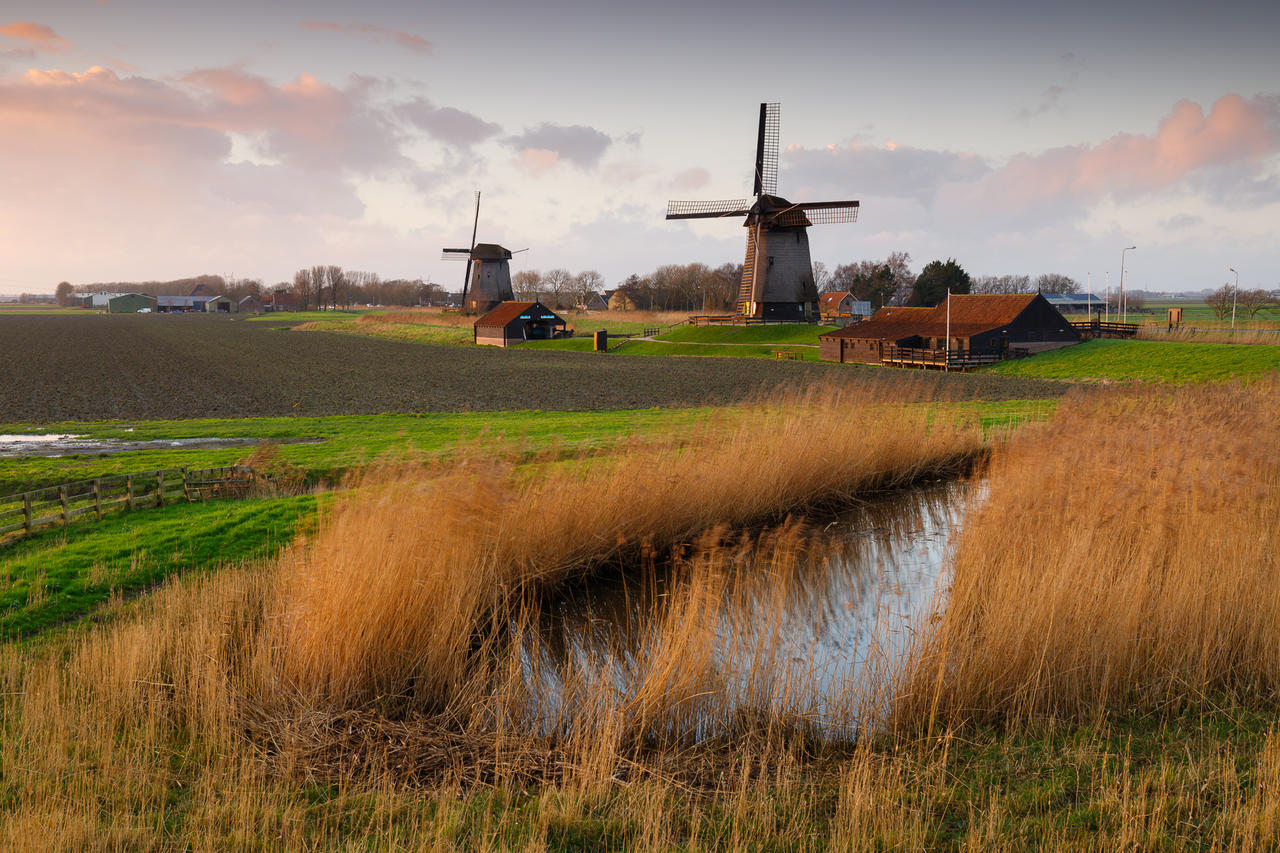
842 306
514 322
979 324
594 302
281 300
249 305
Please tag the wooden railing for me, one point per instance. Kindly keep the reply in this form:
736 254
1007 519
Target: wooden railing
944 359
1097 328
50 505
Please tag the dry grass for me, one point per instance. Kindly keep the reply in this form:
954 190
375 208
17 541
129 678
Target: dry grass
385 660
1253 333
1126 559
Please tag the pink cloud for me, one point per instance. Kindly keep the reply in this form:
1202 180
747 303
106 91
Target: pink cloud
408 41
538 161
690 179
37 34
1235 132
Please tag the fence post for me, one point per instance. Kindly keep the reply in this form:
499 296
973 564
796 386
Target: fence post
129 485
62 499
26 512
160 488
97 497
186 486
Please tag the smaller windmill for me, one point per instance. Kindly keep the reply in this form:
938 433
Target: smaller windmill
777 275
487 281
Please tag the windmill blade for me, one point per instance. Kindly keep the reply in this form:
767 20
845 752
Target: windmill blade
455 255
818 213
766 176
708 209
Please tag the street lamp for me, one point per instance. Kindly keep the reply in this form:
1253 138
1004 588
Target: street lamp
1124 300
1234 294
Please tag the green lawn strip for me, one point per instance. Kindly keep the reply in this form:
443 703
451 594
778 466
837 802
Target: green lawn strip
774 333
348 440
1154 361
802 353
420 333
64 573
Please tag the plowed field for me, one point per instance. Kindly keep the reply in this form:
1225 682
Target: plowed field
59 368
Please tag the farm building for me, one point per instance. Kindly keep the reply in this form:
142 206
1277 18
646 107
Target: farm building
130 303
181 304
594 302
842 306
514 322
281 300
1076 303
980 325
249 305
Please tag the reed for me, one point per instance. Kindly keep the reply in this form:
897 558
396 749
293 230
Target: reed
1267 334
1125 559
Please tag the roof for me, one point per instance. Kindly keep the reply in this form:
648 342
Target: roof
970 315
490 252
834 298
1056 299
505 312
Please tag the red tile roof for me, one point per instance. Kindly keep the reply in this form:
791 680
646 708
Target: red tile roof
505 312
971 314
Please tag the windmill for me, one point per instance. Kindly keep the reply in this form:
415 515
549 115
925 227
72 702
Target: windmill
487 280
777 275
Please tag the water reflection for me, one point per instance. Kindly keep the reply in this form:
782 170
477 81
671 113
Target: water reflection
807 621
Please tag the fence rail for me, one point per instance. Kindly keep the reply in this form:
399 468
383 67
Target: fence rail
43 507
949 359
1104 329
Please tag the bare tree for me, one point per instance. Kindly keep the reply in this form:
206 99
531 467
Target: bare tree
526 285
1053 282
336 281
822 277
304 287
1220 301
64 293
1003 284
1253 301
556 284
586 283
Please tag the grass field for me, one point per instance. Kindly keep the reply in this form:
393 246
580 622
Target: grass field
1148 361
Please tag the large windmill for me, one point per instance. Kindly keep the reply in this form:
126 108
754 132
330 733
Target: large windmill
777 275
488 276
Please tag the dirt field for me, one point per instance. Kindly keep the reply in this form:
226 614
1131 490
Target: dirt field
95 367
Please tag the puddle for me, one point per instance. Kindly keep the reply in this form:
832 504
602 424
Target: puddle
67 444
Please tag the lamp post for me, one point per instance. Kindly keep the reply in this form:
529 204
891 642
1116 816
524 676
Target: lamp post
1124 300
1235 293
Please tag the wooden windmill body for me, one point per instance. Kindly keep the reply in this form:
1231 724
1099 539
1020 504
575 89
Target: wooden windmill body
488 278
777 273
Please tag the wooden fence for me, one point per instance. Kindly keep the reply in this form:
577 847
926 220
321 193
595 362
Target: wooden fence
101 496
940 359
1096 328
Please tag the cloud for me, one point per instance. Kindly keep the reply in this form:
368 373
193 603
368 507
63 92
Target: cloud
408 41
894 170
37 34
447 124
577 144
1048 101
690 180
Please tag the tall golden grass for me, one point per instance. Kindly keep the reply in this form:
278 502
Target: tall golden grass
197 716
1126 558
1254 333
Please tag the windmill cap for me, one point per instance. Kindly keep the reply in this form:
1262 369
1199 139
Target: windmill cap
490 252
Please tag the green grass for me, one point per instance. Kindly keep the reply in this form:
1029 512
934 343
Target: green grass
348 440
1149 361
779 333
62 574
717 350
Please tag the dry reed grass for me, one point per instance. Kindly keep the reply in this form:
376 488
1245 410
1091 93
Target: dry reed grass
1256 333
1126 559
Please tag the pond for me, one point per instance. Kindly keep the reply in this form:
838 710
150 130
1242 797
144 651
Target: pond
807 622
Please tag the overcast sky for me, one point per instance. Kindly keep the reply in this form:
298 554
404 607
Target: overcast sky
155 140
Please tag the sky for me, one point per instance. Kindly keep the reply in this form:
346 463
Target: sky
158 140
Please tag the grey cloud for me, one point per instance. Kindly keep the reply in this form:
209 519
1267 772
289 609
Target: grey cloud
447 124
1048 101
580 145
902 172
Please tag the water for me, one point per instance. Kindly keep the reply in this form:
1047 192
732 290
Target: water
811 626
53 445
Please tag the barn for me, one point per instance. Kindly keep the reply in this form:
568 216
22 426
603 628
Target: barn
979 325
514 322
841 306
130 303
249 305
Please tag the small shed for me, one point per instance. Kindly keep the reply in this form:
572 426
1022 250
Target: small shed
842 306
595 302
515 322
131 303
249 305
219 304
